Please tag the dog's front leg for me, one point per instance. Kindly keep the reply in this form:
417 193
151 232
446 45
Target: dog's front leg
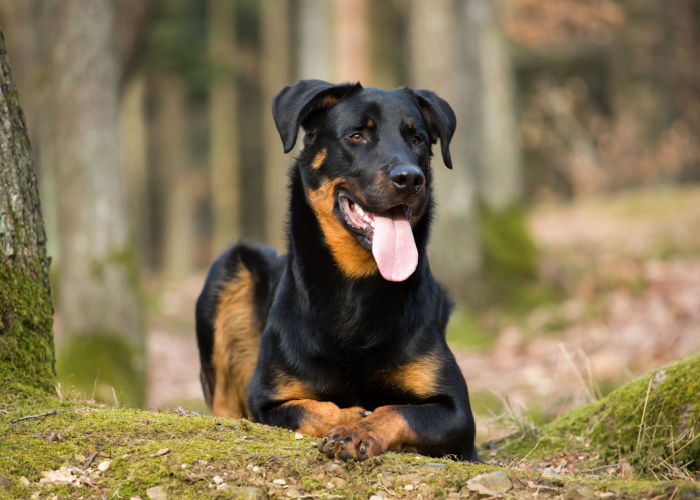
312 417
432 429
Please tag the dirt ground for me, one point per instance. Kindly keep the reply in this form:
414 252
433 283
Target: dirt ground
630 265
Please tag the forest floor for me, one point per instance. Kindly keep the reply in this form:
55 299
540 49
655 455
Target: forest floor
627 272
626 268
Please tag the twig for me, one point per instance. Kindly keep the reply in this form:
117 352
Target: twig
90 460
38 415
596 469
644 412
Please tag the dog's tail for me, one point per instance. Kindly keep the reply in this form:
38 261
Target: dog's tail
230 315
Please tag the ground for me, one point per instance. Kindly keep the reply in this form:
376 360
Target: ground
627 267
626 271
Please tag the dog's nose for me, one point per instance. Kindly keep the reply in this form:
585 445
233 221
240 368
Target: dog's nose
407 179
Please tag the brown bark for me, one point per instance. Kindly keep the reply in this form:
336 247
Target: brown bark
26 336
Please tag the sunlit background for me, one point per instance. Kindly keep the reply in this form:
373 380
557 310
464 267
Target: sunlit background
567 231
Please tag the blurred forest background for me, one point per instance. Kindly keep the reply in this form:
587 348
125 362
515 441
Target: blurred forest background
567 231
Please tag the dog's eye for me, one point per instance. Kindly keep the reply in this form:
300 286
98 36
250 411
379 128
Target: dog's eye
356 137
417 141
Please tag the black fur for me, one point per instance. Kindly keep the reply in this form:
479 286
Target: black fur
337 333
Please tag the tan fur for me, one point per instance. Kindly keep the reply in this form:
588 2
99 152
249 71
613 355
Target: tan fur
352 259
419 377
236 345
319 416
319 159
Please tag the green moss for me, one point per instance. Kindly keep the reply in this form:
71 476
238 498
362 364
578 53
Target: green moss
26 329
653 422
96 363
509 258
184 452
464 330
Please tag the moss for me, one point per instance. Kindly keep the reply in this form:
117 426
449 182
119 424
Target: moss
509 258
653 422
183 452
465 330
97 363
26 328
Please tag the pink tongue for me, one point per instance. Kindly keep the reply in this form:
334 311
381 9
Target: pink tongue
393 246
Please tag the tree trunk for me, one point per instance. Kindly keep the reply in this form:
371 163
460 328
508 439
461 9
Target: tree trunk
315 45
495 152
225 171
275 75
172 151
26 309
352 51
454 253
98 301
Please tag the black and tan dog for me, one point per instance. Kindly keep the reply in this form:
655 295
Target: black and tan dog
344 336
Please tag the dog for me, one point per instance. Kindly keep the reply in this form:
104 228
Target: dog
343 337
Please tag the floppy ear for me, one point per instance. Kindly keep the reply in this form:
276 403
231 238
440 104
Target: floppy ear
293 104
441 120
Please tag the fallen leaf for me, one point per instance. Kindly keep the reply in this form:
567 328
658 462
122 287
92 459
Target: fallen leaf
64 475
160 452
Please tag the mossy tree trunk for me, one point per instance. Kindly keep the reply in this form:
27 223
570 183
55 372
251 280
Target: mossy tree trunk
102 342
26 310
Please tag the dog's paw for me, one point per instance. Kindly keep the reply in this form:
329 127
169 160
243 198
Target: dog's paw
355 441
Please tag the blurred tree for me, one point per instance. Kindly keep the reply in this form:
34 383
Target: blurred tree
351 46
276 70
314 39
387 38
172 160
435 65
224 163
174 58
26 309
98 293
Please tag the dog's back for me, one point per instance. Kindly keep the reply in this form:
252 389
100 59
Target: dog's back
230 315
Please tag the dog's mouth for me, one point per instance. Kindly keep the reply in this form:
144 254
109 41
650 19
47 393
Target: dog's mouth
387 234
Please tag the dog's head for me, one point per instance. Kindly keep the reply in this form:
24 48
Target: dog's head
366 167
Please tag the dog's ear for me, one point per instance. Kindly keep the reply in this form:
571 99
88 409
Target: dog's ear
295 103
441 120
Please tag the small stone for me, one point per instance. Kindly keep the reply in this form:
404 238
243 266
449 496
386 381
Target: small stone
408 487
279 482
579 493
184 466
497 481
376 497
135 498
298 436
202 462
5 482
551 473
222 487
218 479
293 493
336 469
247 493
255 468
24 481
157 493
103 466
